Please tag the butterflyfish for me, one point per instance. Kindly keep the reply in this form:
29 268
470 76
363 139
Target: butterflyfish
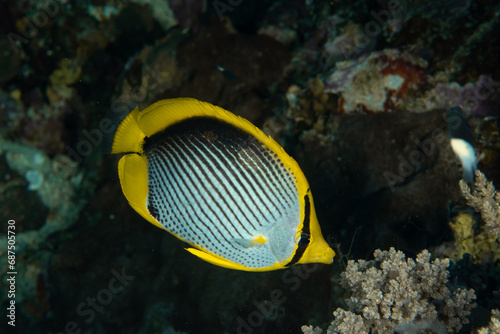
462 142
217 182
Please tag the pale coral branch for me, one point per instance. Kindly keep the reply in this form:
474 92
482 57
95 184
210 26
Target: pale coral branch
485 200
396 294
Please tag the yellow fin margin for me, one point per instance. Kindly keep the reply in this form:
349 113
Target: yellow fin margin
165 113
131 132
222 262
128 136
133 173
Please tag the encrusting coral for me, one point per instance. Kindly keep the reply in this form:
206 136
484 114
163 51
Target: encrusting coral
395 294
480 244
484 199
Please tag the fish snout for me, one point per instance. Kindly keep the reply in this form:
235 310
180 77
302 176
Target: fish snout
318 252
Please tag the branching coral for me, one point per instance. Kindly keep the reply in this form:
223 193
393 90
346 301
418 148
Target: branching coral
494 325
395 294
484 199
311 330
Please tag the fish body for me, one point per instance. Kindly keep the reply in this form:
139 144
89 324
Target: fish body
462 142
217 182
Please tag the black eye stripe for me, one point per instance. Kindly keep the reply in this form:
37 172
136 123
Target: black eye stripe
305 236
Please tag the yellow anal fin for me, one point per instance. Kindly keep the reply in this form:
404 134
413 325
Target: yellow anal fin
133 173
128 136
216 260
221 262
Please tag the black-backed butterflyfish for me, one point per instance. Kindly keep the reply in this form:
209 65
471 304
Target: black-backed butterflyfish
217 182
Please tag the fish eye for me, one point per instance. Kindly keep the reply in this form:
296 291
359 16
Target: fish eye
302 238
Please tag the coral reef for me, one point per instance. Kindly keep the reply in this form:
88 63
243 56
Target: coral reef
478 240
66 75
55 180
377 83
161 11
354 90
394 294
494 325
365 169
479 243
488 146
9 61
484 199
480 98
58 182
312 330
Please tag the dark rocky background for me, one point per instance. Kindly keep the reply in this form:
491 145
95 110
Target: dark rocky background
353 90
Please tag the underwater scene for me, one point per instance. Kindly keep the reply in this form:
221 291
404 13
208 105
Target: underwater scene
249 166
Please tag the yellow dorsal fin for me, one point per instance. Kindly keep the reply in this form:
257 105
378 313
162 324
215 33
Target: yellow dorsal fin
128 136
165 113
133 173
132 131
